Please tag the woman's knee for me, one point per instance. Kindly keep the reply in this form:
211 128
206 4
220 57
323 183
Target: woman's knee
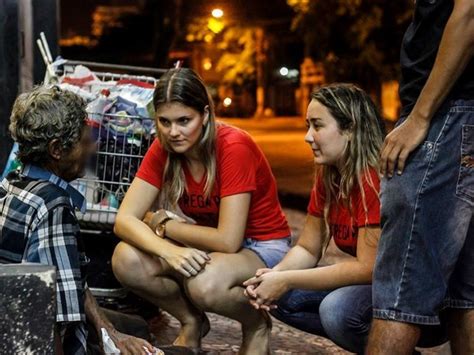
346 314
205 288
127 264
208 287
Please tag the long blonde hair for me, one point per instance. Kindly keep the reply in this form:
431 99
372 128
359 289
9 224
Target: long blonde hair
184 86
355 113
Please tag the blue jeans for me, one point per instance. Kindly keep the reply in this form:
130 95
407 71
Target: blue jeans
425 258
343 316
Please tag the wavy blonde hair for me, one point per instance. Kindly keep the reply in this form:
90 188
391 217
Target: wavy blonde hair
184 86
355 113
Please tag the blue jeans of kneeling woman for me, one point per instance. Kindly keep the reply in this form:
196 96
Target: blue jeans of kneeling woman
343 315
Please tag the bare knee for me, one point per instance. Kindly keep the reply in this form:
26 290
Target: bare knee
206 289
127 265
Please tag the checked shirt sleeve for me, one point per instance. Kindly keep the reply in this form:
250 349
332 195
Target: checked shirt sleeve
53 241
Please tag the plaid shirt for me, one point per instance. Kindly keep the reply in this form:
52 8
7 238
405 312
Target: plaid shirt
38 224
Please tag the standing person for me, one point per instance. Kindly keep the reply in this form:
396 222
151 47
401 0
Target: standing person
345 133
425 260
37 212
219 177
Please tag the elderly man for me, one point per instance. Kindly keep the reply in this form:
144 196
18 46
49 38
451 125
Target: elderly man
37 204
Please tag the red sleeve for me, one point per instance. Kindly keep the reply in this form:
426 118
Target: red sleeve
237 170
371 190
151 168
316 200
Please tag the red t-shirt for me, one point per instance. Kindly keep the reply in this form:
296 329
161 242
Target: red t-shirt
344 228
241 167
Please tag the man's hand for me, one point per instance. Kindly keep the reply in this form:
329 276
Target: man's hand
129 345
400 143
266 289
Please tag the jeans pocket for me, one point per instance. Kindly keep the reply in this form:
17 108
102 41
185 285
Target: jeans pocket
422 152
465 185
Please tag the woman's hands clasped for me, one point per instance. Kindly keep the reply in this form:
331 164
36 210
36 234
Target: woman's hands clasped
265 288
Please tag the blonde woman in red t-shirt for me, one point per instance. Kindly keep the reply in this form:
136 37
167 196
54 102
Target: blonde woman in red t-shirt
345 134
219 178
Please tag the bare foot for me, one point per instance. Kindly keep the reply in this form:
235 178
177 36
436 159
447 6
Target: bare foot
256 339
192 332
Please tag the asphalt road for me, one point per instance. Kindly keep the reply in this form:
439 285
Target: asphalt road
282 141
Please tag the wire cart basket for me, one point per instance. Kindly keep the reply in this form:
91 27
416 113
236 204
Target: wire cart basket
120 149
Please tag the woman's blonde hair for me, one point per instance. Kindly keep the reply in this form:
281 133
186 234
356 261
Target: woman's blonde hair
184 86
357 115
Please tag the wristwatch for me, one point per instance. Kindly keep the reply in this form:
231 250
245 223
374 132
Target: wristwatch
159 226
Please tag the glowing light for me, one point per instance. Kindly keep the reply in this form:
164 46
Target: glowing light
215 25
217 13
284 71
227 102
207 64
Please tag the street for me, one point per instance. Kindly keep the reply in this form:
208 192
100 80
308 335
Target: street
282 141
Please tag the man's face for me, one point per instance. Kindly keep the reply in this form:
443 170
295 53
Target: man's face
73 163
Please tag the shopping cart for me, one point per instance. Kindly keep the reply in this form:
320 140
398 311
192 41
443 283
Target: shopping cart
119 154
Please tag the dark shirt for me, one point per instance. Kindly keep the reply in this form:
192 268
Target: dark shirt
419 49
38 224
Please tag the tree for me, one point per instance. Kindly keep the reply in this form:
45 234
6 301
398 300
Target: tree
237 47
237 63
356 40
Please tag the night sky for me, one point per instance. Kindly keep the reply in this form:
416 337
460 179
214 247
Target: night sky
274 15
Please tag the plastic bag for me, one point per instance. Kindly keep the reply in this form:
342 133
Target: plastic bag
108 344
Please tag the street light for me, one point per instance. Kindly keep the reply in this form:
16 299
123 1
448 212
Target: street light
207 64
284 71
217 13
216 23
227 102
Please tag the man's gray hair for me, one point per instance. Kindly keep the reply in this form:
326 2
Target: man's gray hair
44 114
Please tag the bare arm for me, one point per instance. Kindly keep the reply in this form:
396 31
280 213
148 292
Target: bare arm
94 313
271 285
58 344
308 250
129 225
130 228
228 235
455 51
351 272
125 343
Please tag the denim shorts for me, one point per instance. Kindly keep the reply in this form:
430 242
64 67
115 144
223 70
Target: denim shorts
425 259
270 251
